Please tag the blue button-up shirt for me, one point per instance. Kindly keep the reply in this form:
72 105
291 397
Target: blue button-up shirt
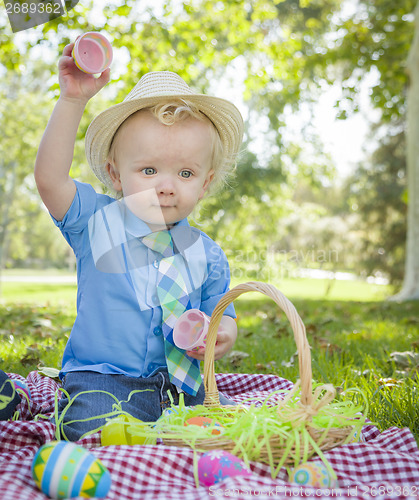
119 318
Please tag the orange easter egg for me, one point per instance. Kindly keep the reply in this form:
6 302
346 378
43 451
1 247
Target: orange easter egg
205 422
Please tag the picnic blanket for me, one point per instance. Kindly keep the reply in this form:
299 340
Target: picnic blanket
385 465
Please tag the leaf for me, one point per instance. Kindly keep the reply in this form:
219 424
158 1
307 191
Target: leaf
389 383
325 345
311 328
411 320
235 357
405 359
47 371
267 367
31 357
43 322
290 363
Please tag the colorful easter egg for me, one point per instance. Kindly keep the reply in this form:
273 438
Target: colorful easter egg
65 470
205 422
176 410
313 474
216 465
358 437
22 388
122 430
92 52
173 410
169 415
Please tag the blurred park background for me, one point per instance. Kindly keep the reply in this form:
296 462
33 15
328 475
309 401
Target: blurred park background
321 187
319 203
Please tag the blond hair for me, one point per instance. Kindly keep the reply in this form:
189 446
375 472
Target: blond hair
174 111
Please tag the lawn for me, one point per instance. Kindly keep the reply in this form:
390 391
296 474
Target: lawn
353 333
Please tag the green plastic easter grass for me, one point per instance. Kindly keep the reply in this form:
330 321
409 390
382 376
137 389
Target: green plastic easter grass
59 420
256 432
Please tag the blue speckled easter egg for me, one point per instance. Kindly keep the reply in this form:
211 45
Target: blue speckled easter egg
216 465
358 437
66 470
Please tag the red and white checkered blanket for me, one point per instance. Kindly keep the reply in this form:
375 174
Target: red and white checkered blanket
386 465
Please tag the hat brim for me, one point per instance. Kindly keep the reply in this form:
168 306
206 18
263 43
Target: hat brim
222 113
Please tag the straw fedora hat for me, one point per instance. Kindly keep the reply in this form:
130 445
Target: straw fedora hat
155 88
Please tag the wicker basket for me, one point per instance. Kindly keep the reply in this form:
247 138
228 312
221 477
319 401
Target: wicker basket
325 438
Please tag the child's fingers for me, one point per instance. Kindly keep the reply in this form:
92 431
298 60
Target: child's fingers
66 59
65 63
68 49
200 354
104 78
222 336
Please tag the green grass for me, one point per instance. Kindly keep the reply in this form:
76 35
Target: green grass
306 288
352 334
35 272
39 293
303 288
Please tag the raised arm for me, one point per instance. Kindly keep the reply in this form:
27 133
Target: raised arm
55 153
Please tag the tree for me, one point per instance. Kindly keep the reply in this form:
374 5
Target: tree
235 31
410 289
20 127
379 37
376 197
287 52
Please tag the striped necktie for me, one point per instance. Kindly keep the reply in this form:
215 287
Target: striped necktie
173 296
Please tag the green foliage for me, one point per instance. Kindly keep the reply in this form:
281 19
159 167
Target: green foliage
376 193
17 150
377 36
286 52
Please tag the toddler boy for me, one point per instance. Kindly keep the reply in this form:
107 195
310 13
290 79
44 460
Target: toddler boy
139 262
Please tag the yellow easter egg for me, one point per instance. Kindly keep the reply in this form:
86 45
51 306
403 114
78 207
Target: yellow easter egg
122 430
313 474
66 470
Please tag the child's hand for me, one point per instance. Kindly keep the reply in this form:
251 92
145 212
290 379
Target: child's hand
74 83
226 337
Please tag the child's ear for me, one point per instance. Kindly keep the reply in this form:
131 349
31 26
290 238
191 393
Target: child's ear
114 176
208 180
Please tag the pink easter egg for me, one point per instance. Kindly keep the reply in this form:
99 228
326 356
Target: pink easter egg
216 465
22 387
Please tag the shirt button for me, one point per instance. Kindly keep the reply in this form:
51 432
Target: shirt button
157 331
156 264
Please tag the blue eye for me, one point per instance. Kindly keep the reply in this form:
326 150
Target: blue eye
186 174
149 170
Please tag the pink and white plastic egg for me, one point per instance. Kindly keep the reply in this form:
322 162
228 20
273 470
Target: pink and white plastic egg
216 465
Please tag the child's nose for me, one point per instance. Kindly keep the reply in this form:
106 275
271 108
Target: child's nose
166 187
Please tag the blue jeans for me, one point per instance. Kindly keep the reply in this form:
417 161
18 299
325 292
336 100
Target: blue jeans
146 406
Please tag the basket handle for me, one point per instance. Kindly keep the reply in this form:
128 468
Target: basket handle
304 357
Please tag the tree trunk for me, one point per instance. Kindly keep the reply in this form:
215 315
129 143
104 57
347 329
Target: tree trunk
410 288
7 197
